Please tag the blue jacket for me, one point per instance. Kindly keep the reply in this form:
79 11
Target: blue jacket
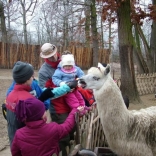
59 76
36 91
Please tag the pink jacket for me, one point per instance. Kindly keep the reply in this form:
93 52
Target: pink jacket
38 138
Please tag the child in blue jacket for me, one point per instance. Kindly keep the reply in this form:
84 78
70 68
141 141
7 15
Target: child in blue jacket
67 71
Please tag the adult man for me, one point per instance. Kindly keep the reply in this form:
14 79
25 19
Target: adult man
58 109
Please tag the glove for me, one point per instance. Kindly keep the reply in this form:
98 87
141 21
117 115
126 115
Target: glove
72 84
62 83
46 94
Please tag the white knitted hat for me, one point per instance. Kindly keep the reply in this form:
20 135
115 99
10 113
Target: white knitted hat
67 60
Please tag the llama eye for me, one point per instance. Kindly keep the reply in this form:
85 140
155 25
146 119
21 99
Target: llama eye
96 78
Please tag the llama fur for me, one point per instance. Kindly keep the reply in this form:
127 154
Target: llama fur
128 133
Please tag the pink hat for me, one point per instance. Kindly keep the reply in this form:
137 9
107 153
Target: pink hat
30 109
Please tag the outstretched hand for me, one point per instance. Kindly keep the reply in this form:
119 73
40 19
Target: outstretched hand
46 94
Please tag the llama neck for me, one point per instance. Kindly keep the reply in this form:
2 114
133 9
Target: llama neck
111 106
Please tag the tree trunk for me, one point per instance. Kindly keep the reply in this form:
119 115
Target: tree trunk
87 24
65 23
94 33
153 40
24 25
128 83
2 22
142 66
102 40
149 58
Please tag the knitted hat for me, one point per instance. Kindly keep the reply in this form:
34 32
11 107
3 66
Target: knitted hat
30 109
67 60
48 50
22 72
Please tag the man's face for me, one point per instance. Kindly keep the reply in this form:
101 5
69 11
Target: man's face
54 58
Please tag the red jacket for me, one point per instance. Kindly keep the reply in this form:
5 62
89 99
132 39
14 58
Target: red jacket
40 139
20 92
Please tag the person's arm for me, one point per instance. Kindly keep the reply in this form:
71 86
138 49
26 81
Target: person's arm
56 92
57 77
15 150
42 80
10 88
39 91
59 91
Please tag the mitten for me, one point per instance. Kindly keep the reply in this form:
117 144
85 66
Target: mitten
62 83
72 84
46 94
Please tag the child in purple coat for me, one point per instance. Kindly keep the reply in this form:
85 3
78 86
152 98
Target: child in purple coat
67 71
38 138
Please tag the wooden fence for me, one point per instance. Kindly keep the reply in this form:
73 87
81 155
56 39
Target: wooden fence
146 83
89 133
10 53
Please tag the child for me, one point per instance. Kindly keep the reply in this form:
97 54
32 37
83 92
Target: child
67 71
38 138
35 91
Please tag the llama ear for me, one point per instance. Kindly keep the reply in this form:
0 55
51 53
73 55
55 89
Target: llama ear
107 70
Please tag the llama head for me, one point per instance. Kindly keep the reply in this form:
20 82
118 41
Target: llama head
95 78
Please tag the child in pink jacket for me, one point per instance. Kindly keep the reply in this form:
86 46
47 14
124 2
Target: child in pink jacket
38 138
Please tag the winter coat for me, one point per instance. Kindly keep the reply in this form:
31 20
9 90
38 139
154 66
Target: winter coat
57 106
35 91
45 73
21 92
38 138
60 76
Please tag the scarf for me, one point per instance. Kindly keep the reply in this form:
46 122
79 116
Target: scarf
53 64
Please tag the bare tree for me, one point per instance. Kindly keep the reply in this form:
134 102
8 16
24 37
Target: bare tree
153 38
3 24
128 85
94 33
27 7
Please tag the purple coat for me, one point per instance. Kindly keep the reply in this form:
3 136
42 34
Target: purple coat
41 139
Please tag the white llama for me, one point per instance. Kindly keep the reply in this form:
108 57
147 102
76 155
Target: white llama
129 133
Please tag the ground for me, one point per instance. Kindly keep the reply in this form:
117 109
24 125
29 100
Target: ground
5 81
